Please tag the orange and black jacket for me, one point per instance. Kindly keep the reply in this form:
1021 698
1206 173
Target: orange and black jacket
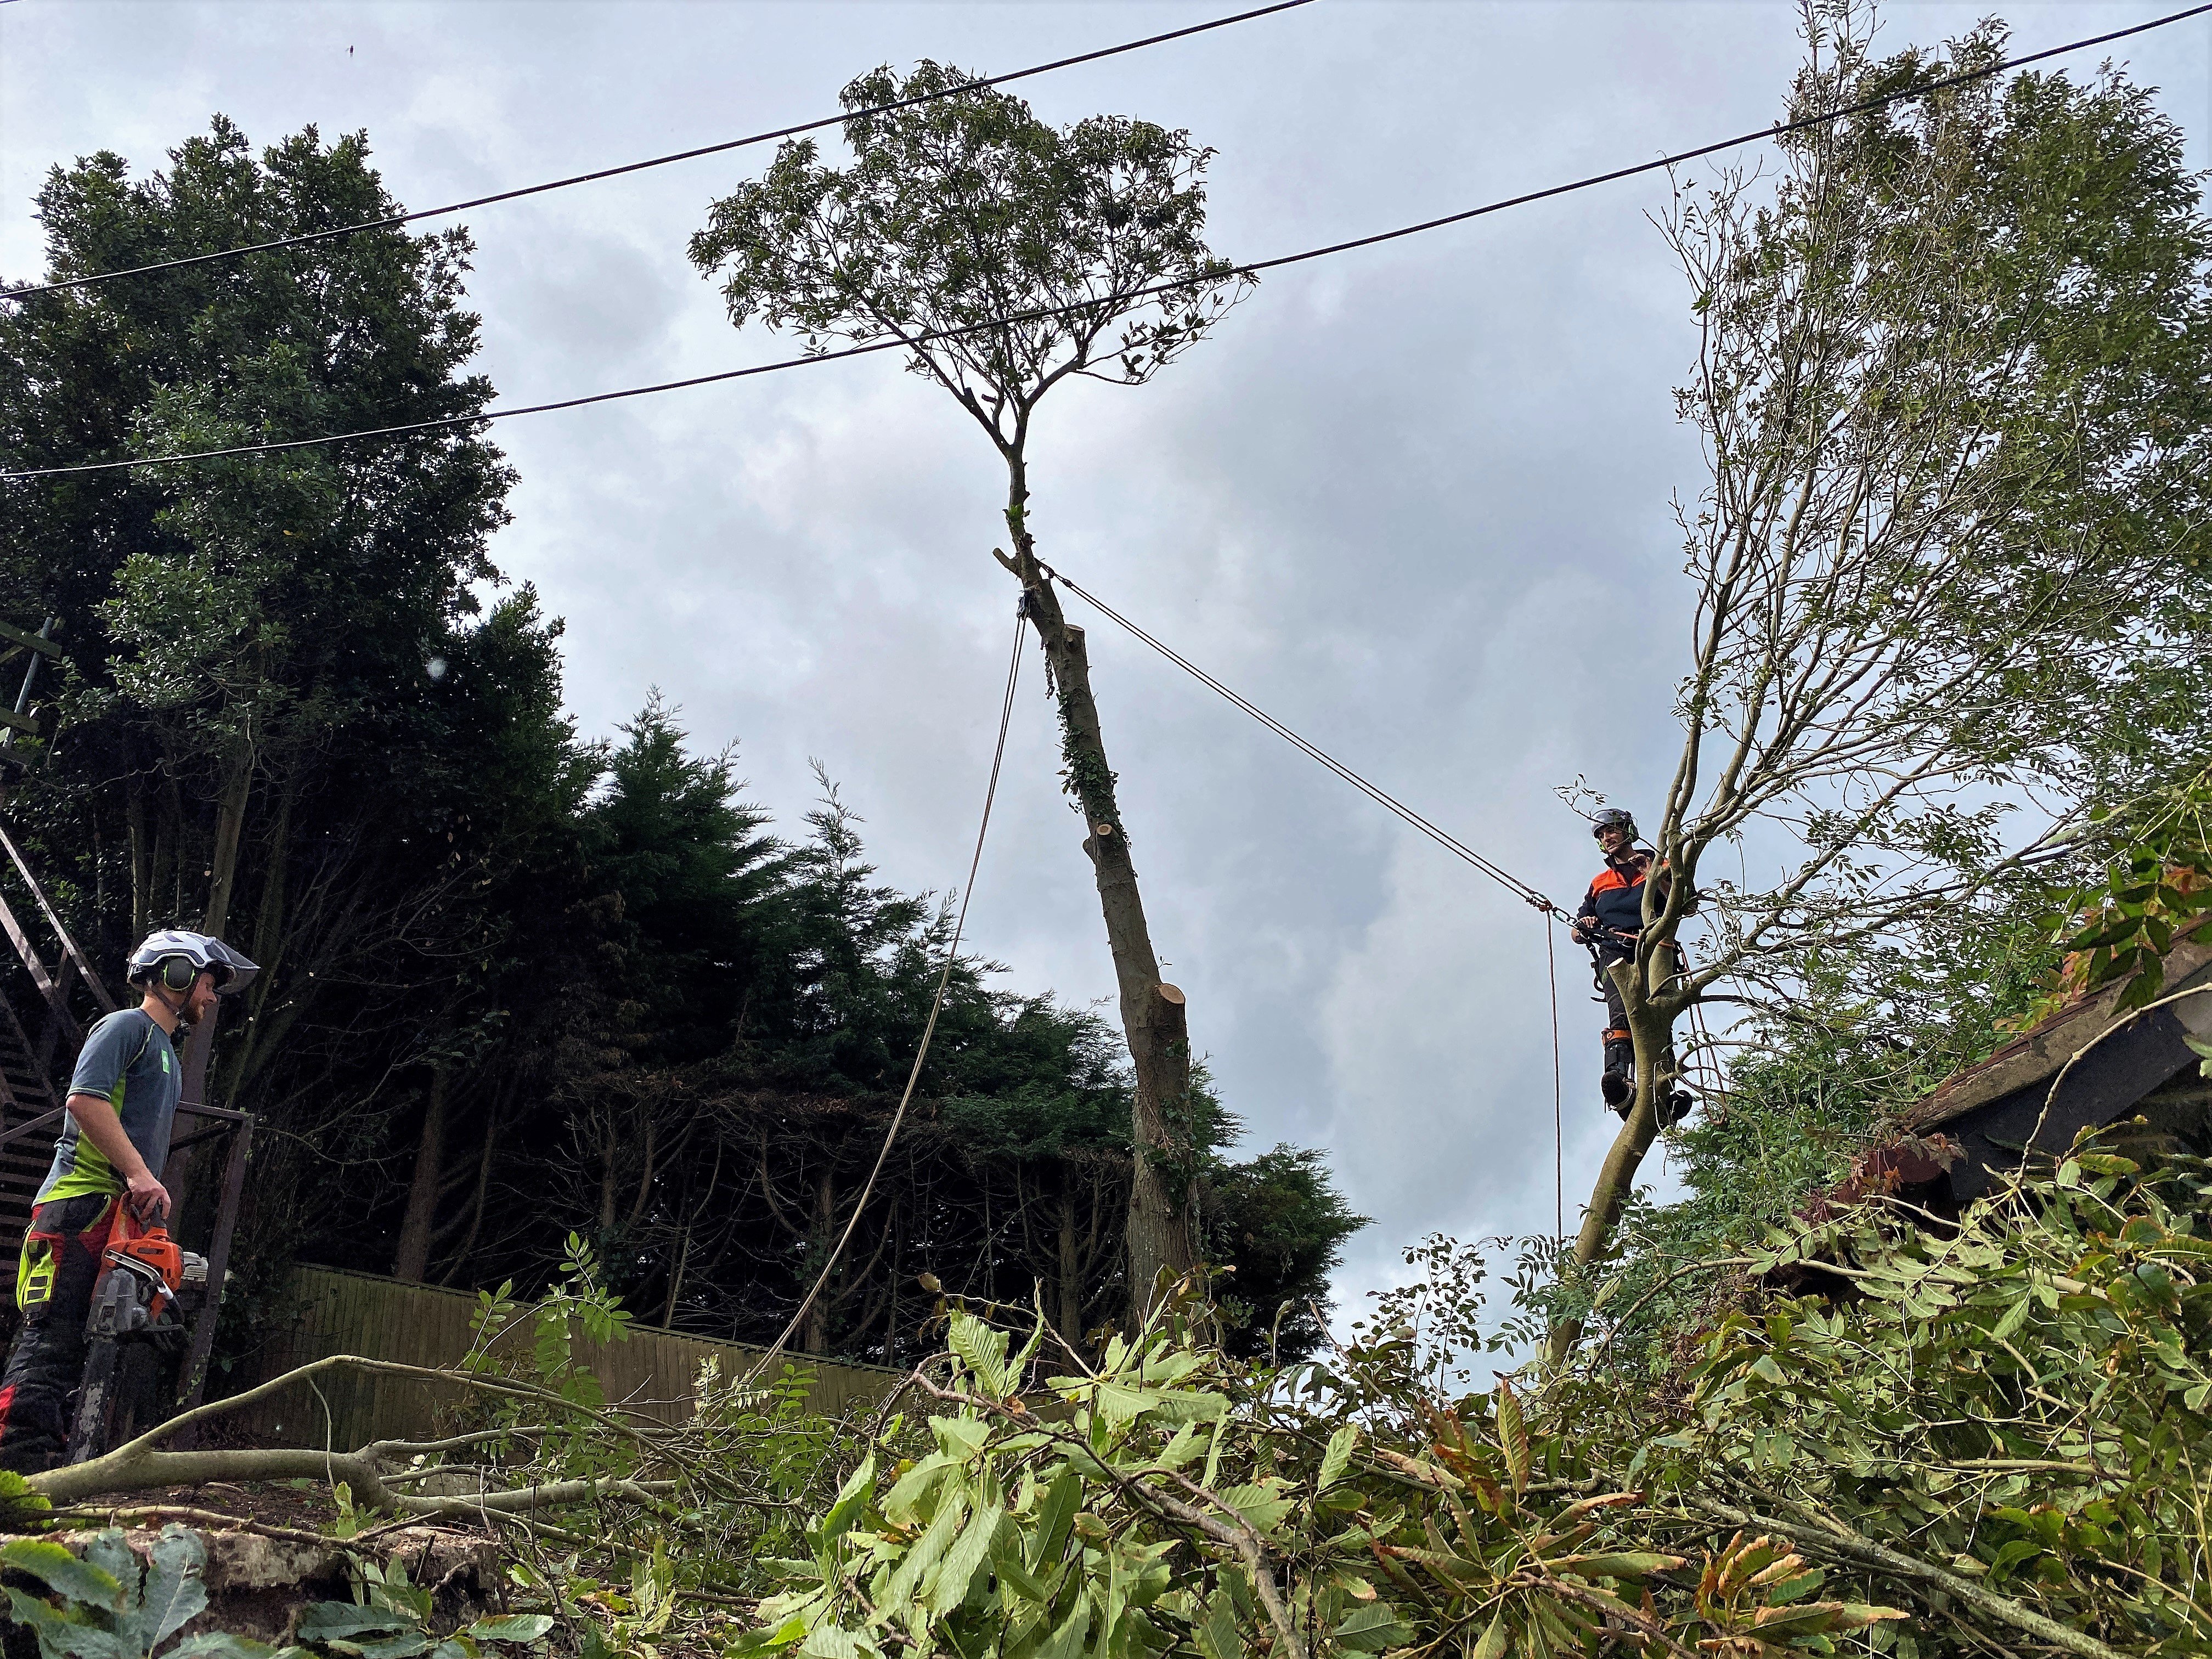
1614 904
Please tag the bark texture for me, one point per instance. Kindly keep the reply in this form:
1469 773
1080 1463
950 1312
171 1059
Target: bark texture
1153 1019
411 1261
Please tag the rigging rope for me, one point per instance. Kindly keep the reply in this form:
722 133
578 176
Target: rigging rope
1375 793
1559 1127
936 1007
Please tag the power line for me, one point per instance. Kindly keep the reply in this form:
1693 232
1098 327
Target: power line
936 1006
1374 792
656 161
928 336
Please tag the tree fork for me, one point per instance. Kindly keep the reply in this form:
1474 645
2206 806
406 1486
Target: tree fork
1154 1019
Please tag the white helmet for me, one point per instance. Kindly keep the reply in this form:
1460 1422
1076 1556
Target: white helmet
195 953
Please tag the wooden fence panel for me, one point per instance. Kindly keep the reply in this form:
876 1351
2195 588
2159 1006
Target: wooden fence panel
377 1318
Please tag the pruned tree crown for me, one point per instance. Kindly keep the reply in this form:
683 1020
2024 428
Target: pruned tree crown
969 208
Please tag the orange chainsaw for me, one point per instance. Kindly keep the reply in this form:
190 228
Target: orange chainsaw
139 1278
135 1319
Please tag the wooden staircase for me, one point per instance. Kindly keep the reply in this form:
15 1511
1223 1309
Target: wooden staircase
35 1054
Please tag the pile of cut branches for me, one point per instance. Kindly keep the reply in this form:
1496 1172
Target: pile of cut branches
1996 1441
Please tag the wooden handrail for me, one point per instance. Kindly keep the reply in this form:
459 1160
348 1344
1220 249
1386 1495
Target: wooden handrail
71 955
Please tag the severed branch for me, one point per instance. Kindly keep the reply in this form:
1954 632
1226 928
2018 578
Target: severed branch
141 1465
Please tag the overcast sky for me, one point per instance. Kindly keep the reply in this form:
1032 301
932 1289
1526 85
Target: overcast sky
1413 501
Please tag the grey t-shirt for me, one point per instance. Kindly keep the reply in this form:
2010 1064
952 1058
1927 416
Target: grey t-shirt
128 1061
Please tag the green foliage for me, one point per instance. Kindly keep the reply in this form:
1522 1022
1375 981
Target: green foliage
107 1604
1172 1499
536 1344
21 1509
671 836
966 209
2156 887
1988 1441
391 1620
1278 1220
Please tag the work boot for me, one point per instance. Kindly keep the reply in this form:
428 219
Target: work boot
1618 1085
1674 1105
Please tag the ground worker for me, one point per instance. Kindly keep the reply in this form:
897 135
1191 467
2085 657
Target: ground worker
122 1101
1610 922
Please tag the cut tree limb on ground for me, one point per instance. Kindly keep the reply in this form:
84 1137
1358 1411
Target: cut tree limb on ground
142 1466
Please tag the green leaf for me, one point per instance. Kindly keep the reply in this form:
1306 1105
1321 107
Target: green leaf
513 1627
957 1569
62 1572
1264 1507
174 1592
829 1642
61 1636
325 1621
221 1644
984 1350
1623 1563
852 1498
1055 1515
1067 1641
1513 1436
1372 1628
1338 1458
1217 1634
1492 1645
19 1506
903 1502
2014 1317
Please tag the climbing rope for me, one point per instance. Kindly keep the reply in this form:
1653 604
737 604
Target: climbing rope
1558 1127
936 1007
1374 792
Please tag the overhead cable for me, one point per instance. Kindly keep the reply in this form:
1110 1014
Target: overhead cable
386 223
928 337
936 1007
1374 792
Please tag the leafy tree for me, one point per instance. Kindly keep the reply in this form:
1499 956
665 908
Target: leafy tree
1951 390
955 215
671 834
242 632
1279 1224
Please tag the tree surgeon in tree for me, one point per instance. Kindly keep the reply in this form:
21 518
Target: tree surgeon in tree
122 1101
1610 922
1009 255
1951 395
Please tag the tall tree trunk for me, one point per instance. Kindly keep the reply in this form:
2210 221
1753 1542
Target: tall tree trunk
1152 1013
412 1259
141 858
223 880
229 825
161 874
1653 1030
825 1215
676 1280
267 948
484 1186
610 1153
1070 1319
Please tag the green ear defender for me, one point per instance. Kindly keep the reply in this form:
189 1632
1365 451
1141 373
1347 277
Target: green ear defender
178 973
